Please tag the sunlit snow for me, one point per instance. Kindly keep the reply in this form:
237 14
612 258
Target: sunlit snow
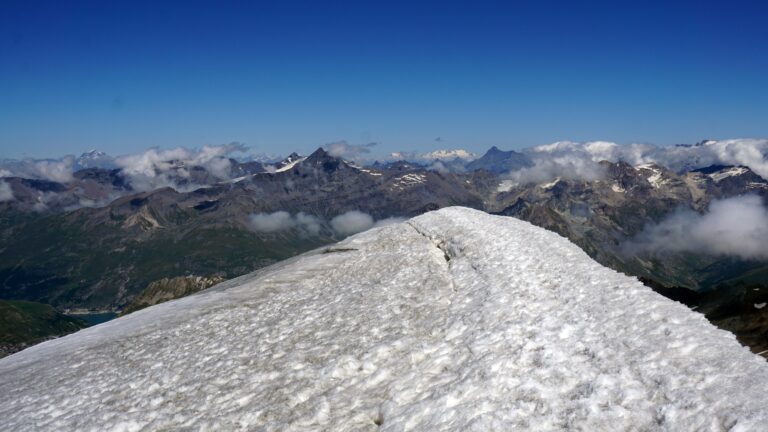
454 320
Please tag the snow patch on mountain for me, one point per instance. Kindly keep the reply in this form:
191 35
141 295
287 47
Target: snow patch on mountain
290 164
454 320
730 172
408 180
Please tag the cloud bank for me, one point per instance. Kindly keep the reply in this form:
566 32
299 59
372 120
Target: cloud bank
352 222
57 170
156 168
568 159
735 227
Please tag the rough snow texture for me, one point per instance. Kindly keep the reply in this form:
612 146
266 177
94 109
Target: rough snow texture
454 320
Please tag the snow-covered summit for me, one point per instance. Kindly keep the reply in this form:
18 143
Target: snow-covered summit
454 320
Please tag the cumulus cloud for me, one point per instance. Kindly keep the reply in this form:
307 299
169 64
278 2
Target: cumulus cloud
57 170
752 153
732 227
156 168
352 222
310 224
146 170
561 159
6 193
282 220
353 152
272 222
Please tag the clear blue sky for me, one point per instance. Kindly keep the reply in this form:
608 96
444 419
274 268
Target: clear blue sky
283 75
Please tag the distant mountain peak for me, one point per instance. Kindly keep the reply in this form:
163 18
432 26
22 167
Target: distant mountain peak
94 159
499 161
320 153
292 157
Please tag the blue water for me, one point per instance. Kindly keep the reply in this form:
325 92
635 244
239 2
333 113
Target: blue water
95 318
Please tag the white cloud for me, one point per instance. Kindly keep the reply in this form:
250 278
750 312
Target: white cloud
156 168
352 222
564 159
311 224
732 227
752 153
57 170
282 220
6 194
272 222
567 159
353 152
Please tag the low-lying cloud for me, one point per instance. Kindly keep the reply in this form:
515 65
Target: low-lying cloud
354 221
282 220
351 222
735 227
272 222
6 193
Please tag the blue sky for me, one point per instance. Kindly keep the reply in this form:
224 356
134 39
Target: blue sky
283 76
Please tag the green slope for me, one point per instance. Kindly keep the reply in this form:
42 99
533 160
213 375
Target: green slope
24 323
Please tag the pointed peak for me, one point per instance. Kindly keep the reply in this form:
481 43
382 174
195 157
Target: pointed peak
319 153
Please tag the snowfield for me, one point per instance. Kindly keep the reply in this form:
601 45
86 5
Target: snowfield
454 320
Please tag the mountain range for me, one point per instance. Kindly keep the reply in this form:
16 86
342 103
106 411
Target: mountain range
98 240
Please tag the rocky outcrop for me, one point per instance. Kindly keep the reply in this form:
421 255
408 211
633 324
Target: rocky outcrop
171 288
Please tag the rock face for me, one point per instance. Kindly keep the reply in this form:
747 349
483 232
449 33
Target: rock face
453 320
171 288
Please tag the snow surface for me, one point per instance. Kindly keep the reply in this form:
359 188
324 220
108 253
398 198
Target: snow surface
408 180
617 188
290 165
656 179
551 184
454 320
730 172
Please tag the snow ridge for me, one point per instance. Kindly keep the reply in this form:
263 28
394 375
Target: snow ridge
454 320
